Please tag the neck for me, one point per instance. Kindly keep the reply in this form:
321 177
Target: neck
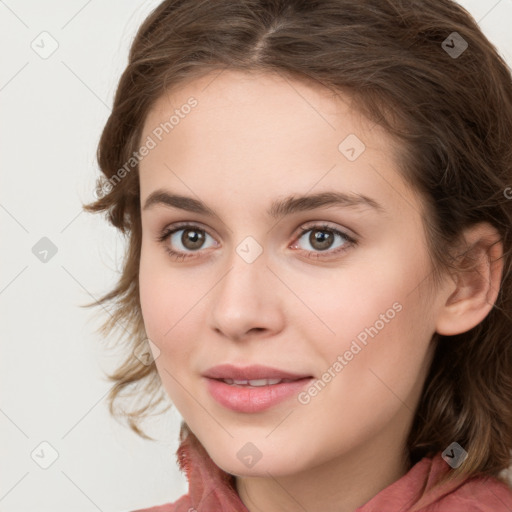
342 484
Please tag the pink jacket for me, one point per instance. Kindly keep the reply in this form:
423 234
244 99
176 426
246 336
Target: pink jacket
212 490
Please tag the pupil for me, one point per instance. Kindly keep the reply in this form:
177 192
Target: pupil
320 240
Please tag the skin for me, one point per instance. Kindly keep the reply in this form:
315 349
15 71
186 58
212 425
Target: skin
252 139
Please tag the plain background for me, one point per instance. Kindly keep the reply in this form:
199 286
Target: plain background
52 362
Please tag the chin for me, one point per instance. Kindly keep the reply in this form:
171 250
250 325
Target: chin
251 461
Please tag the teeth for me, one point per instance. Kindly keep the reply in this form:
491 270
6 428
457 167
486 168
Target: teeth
255 382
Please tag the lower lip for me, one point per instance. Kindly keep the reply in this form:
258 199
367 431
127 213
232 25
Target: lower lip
253 399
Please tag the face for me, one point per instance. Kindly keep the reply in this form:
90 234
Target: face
331 290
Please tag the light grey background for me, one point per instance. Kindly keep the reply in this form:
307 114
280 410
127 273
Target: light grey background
52 383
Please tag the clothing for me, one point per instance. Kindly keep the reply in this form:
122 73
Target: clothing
213 490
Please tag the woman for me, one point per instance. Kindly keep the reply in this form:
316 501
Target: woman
318 261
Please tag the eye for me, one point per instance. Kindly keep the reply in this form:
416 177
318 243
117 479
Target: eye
323 239
182 241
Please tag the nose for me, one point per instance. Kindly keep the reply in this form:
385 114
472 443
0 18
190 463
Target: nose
247 302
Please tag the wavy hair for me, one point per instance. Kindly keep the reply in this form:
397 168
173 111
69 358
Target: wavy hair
449 110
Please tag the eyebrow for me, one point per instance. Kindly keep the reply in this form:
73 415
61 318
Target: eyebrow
280 207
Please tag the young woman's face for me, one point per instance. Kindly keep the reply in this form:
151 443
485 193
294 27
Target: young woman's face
299 248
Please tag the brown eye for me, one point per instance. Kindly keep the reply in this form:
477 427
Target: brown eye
321 239
186 240
192 238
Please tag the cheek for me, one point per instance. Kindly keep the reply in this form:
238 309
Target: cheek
346 304
154 299
169 305
170 313
162 299
376 313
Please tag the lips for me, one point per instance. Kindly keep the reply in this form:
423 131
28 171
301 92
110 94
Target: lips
253 389
255 382
229 372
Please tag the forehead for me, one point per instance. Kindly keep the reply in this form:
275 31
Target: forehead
271 99
255 130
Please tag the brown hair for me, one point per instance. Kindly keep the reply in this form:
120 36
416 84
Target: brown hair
451 113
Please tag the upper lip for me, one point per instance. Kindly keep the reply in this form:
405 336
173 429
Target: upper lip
253 372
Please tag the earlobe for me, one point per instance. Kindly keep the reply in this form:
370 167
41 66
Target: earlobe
477 282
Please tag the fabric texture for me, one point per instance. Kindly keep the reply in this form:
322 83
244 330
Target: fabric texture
213 490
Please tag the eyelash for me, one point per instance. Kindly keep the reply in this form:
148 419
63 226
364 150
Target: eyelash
350 241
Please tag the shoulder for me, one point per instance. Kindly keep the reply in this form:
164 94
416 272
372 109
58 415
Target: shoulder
182 505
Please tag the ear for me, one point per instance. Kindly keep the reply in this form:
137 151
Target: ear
476 284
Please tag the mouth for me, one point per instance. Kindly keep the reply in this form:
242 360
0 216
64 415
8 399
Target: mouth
255 383
253 389
253 374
